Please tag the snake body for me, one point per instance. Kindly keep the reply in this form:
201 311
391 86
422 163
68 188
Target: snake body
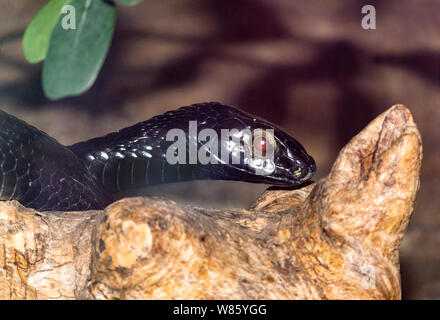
41 173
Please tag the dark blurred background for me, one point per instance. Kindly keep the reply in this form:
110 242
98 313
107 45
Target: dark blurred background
306 65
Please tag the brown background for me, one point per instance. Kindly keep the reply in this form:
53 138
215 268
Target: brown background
306 65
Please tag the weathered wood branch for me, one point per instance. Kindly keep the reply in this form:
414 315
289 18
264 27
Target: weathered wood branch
335 239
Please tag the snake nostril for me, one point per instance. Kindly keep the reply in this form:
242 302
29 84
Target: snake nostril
303 170
298 171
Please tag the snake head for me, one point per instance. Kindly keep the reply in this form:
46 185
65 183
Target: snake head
263 152
269 156
292 164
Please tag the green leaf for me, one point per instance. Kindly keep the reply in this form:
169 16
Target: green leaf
128 2
76 56
37 35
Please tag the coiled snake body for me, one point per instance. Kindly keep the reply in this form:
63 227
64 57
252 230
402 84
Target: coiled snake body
42 174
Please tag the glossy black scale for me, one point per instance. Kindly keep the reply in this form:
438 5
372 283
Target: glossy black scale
41 173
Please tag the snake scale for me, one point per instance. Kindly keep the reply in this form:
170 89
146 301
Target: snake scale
43 174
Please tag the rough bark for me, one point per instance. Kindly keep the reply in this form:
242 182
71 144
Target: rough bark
337 238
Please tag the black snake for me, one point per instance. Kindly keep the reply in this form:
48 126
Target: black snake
40 173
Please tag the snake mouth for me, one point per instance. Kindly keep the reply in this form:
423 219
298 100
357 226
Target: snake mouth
309 175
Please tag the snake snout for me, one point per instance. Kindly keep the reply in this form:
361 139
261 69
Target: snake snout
304 170
311 169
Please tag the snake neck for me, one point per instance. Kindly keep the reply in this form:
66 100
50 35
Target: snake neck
41 173
121 166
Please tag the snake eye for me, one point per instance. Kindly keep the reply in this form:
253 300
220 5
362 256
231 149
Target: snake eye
263 142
